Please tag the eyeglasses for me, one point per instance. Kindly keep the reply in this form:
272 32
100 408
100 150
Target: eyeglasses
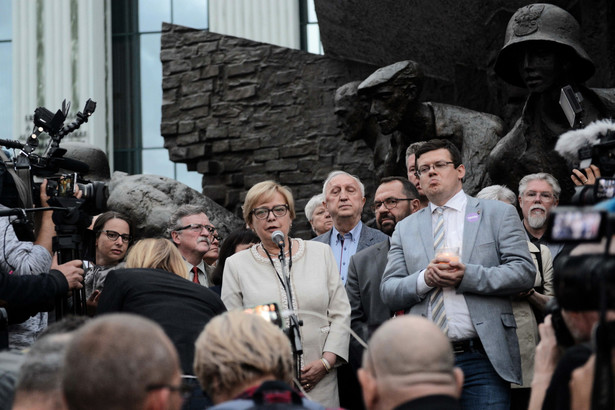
437 166
544 196
112 236
184 389
197 228
263 213
389 203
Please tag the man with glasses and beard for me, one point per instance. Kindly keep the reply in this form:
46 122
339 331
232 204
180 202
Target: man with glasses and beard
538 194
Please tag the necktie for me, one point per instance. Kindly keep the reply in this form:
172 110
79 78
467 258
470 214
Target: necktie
436 299
195 277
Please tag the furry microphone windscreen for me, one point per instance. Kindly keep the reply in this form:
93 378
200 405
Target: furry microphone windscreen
569 143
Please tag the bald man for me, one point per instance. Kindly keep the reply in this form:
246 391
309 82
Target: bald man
409 364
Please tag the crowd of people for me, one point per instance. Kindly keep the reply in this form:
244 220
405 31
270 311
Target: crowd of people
448 301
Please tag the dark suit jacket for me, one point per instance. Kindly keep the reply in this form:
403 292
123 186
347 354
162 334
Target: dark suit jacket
181 307
498 264
368 311
369 236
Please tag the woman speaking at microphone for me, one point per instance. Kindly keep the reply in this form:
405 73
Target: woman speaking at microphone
255 276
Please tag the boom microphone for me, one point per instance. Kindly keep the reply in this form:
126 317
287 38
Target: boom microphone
278 238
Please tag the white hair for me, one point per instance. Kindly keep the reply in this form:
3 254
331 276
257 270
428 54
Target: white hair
334 174
497 193
542 176
312 204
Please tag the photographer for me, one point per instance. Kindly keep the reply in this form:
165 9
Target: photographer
578 286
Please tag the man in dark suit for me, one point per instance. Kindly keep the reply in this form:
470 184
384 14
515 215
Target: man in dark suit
181 307
344 199
466 296
395 199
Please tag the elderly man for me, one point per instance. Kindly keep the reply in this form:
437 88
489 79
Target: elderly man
409 364
122 362
344 199
394 91
395 199
192 233
411 169
538 194
464 288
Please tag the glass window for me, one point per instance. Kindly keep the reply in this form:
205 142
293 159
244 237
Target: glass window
153 13
313 39
191 178
151 90
312 18
6 91
190 13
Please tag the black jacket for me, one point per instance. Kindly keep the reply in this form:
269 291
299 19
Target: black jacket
181 307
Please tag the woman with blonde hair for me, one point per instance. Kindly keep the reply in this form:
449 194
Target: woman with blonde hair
154 287
157 254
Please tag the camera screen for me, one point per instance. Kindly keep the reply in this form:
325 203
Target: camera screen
605 188
576 225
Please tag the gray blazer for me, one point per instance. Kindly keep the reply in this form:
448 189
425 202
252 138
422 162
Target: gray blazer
498 264
368 311
369 236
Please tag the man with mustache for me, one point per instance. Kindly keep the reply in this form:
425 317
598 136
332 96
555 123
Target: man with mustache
192 233
538 194
395 199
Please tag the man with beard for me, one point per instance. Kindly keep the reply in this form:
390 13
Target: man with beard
191 231
538 193
395 199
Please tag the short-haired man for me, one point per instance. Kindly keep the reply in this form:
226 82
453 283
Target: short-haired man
409 364
538 194
191 231
395 199
466 296
122 362
344 199
411 169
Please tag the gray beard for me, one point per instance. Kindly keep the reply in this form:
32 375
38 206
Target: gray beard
536 222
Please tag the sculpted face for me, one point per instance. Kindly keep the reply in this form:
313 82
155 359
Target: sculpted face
386 219
321 220
343 198
351 114
442 184
389 105
540 66
411 167
111 252
536 203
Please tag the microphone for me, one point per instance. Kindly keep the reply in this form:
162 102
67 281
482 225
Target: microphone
70 164
11 212
278 238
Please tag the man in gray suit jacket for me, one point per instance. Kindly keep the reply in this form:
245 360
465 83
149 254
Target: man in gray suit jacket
344 199
466 296
395 199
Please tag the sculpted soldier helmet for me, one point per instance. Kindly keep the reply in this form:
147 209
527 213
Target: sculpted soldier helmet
542 22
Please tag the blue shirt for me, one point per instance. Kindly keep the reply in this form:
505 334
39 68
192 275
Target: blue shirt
343 250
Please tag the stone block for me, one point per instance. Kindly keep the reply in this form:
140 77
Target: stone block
197 87
185 126
233 70
262 155
177 66
252 179
281 165
188 139
215 192
193 101
170 81
206 48
209 167
298 150
210 71
245 144
241 93
291 178
168 128
220 146
216 132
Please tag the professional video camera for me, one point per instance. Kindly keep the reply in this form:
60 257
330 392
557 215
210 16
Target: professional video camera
25 173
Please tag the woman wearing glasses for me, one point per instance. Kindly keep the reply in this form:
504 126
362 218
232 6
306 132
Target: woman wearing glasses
255 276
113 233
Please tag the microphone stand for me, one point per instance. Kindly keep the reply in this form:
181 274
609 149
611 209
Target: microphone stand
294 322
